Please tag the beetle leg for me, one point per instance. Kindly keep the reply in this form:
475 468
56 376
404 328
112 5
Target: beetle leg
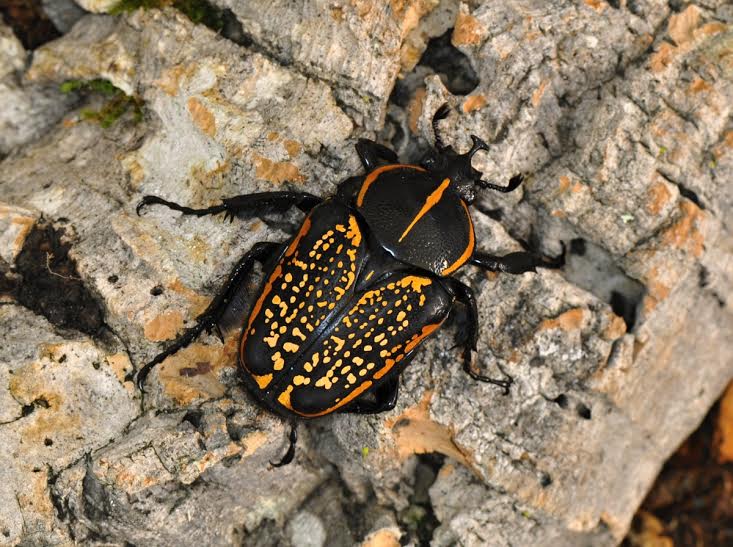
385 399
217 307
371 152
514 183
517 263
246 204
465 295
440 114
290 454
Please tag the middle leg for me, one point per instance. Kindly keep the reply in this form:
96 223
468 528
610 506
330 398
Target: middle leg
465 295
246 204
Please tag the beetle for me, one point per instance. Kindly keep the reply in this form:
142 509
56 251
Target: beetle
346 303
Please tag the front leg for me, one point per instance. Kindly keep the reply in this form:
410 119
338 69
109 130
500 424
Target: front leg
246 204
207 320
371 152
516 263
464 294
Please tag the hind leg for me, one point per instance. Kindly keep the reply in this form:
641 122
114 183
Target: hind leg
207 320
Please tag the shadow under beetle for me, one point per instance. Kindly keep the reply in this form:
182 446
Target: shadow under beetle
346 303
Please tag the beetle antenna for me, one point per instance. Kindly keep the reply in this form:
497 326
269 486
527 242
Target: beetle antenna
478 144
440 114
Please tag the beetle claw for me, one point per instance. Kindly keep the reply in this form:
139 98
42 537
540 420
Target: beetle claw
290 454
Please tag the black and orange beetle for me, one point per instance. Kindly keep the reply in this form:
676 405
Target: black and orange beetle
347 302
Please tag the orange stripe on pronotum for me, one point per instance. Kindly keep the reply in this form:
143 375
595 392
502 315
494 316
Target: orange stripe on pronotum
430 202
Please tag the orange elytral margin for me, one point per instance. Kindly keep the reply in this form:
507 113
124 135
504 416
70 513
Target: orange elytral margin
371 177
389 363
469 248
265 291
430 202
350 397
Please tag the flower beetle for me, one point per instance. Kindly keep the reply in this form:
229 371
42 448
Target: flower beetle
348 300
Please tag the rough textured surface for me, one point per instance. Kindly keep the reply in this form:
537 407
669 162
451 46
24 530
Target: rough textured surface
621 114
28 110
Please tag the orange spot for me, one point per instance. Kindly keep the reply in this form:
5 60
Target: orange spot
354 235
469 248
415 283
284 398
371 177
430 202
263 381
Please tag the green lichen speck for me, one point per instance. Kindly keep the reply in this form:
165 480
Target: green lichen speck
117 106
199 11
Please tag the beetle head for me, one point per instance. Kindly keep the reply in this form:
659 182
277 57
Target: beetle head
446 162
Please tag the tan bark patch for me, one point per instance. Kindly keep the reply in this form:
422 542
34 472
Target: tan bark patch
170 79
181 385
663 57
597 5
685 233
414 432
293 147
682 25
15 225
384 537
474 102
276 171
572 319
198 302
414 109
564 184
253 441
699 85
121 366
202 117
711 28
615 329
658 195
468 31
164 326
723 440
539 92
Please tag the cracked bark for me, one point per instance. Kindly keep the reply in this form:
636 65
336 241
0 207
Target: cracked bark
621 113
